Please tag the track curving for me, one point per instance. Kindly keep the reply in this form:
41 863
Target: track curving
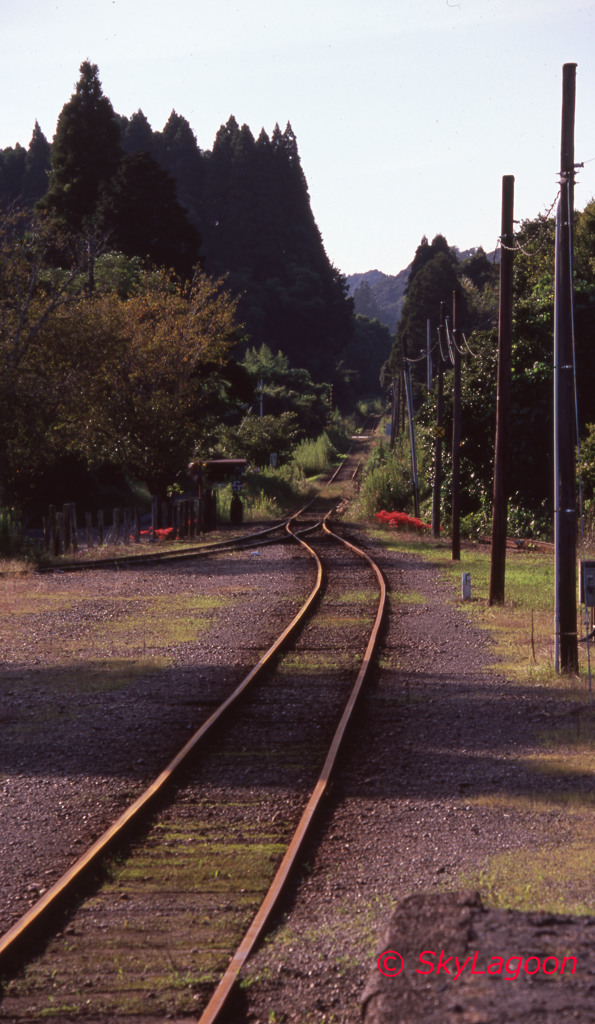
197 874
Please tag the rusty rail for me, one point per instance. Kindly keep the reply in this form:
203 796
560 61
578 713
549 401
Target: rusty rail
223 991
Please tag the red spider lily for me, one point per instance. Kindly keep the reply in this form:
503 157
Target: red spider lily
401 521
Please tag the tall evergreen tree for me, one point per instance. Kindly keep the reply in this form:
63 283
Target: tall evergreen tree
37 166
140 215
426 252
136 134
259 228
434 283
85 154
178 152
12 173
24 172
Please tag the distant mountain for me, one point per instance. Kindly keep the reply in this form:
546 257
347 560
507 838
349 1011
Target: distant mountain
381 296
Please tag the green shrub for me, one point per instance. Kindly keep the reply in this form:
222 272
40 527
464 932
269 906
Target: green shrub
387 482
314 457
267 494
386 487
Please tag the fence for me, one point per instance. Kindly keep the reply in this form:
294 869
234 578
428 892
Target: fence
182 518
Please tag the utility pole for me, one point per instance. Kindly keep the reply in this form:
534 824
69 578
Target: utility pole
456 428
410 417
394 414
566 649
439 429
429 355
261 393
502 445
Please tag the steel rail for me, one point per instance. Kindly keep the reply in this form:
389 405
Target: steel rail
196 551
159 557
24 927
223 991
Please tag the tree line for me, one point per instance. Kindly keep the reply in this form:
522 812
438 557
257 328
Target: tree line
142 280
435 273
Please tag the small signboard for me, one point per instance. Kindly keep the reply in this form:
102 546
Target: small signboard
587 583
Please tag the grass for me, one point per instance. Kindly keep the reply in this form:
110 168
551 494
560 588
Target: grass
22 597
315 457
339 621
409 597
178 903
555 874
110 551
315 661
522 627
99 644
564 762
15 566
160 621
554 879
535 802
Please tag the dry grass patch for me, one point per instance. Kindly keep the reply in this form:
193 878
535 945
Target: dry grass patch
554 879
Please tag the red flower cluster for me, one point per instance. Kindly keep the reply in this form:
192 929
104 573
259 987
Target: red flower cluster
164 534
401 521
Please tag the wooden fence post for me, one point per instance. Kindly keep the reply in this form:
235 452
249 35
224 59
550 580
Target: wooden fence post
52 530
74 539
59 533
127 526
154 516
66 528
116 526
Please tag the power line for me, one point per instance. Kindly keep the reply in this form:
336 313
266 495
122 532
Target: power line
518 247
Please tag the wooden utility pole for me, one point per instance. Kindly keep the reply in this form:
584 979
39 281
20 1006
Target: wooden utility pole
439 429
566 649
410 417
429 354
394 424
456 428
502 445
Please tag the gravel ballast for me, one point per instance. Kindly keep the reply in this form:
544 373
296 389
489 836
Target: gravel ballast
435 729
438 728
97 695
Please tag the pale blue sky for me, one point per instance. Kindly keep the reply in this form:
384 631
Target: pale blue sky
407 112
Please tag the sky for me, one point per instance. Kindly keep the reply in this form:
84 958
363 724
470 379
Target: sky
407 112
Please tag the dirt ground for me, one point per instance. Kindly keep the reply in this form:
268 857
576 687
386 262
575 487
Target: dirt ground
437 734
408 824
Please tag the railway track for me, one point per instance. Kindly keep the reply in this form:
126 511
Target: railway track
154 934
270 535
345 472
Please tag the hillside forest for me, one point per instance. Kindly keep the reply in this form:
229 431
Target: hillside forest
151 291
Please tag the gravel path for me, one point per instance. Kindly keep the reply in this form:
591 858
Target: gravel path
104 676
435 730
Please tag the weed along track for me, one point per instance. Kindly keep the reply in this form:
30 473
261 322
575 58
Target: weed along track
161 925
